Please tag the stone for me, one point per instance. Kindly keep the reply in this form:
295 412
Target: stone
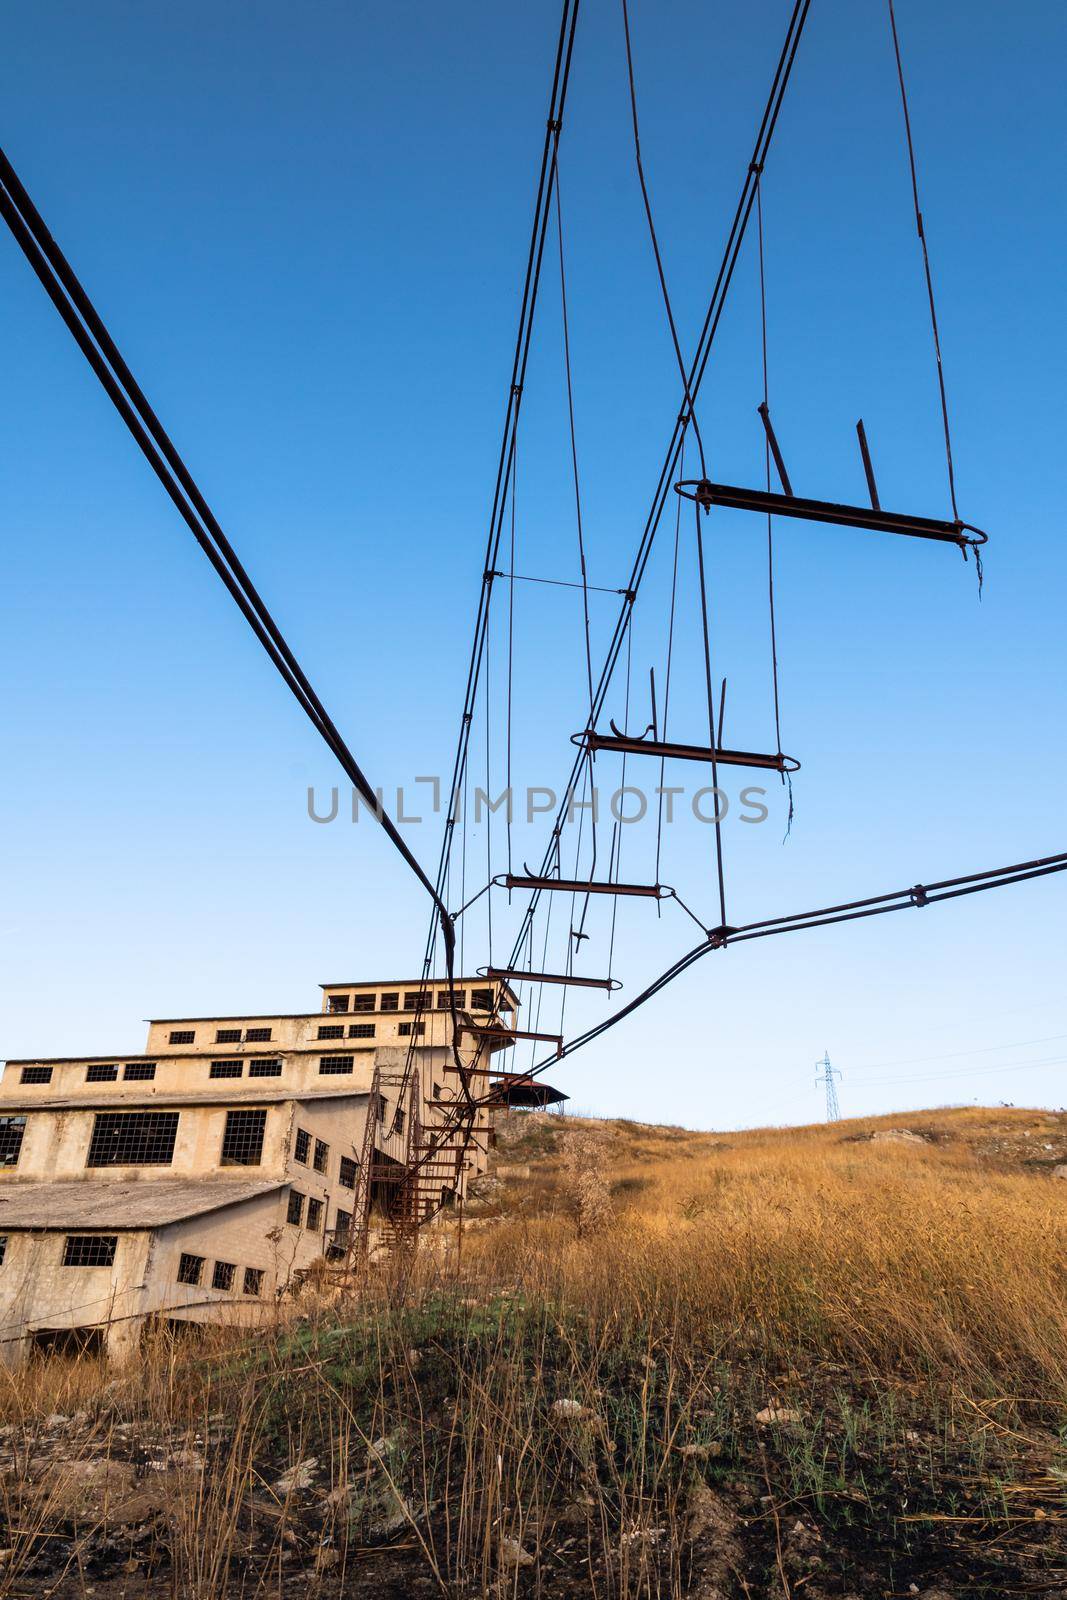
573 1410
513 1555
1060 1171
898 1136
299 1476
779 1414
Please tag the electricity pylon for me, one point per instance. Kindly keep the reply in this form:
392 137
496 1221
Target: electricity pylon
829 1073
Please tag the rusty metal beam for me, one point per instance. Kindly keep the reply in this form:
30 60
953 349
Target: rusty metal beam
767 502
512 974
653 891
630 744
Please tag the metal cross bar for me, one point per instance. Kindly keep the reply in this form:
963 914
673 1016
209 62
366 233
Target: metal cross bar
489 1031
787 505
630 744
653 891
513 975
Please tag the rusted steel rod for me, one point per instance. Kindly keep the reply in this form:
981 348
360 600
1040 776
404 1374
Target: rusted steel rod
789 505
630 744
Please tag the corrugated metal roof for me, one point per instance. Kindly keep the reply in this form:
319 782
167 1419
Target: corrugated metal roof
120 1207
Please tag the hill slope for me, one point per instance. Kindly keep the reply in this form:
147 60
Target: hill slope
822 1363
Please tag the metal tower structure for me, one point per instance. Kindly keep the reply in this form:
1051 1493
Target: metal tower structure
829 1073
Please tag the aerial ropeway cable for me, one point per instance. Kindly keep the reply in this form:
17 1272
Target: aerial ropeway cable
91 335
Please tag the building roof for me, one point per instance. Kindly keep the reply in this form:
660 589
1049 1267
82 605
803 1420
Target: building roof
477 982
121 1207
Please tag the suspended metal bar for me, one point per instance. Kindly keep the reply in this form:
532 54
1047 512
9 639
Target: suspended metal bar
868 469
652 891
513 975
488 1030
772 440
629 744
787 505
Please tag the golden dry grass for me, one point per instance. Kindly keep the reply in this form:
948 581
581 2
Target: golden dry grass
947 1255
585 1393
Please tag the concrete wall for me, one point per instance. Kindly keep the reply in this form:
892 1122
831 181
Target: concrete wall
55 1147
38 1291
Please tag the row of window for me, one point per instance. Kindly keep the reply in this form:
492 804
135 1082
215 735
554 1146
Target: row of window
223 1274
414 1000
98 1249
97 1072
303 1152
223 1035
147 1139
236 1069
356 1030
145 1071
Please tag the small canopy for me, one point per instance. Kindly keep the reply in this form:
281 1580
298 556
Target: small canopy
525 1095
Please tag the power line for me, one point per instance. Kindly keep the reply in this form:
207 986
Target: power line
84 322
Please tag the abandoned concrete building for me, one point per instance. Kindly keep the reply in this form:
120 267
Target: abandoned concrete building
202 1180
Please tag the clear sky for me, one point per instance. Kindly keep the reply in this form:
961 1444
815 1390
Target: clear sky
306 228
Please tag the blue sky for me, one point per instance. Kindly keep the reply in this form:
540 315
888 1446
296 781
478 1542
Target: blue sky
306 230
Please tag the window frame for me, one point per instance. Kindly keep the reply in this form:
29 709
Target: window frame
16 1120
189 1274
256 1119
77 1244
227 1271
118 1131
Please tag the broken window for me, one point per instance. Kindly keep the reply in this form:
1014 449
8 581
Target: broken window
322 1155
314 1216
253 1283
242 1139
334 1066
226 1069
342 1226
361 1030
481 999
302 1146
405 1029
35 1075
190 1268
257 1035
348 1173
363 1002
227 1036
420 1001
222 1277
264 1069
391 1001
97 1072
133 1139
182 1036
139 1071
399 1120
89 1249
295 1210
459 996
334 1030
337 1002
11 1132
3 1248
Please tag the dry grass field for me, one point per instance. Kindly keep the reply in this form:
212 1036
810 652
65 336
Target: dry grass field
828 1361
